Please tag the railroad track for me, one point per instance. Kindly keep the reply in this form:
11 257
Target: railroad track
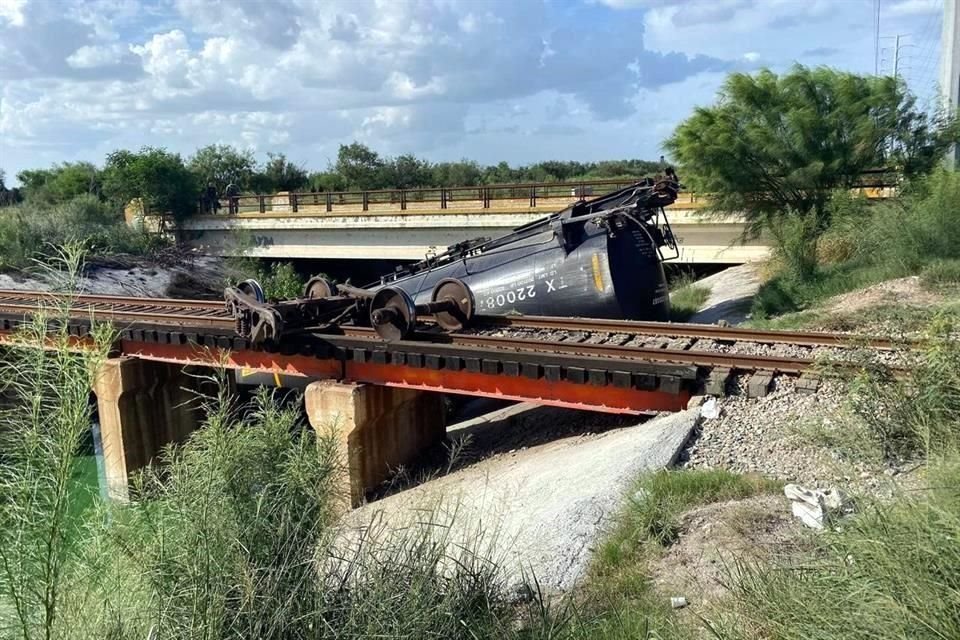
538 339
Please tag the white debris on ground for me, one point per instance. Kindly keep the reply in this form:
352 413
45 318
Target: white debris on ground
546 505
184 275
817 508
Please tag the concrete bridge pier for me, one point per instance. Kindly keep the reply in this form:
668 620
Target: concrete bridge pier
378 428
143 406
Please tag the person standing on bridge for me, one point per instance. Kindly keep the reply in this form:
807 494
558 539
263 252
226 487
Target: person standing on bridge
211 201
233 202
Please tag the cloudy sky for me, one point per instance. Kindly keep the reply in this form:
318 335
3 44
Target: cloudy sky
515 80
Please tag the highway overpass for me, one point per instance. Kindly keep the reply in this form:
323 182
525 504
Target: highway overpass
407 225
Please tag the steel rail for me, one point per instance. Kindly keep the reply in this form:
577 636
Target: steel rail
146 310
742 362
38 296
678 330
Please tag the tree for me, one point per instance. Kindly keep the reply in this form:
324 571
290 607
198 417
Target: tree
61 183
500 173
408 171
360 166
156 176
327 181
279 174
465 173
223 164
775 147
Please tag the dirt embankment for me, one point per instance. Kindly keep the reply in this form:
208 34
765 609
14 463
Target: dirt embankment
171 274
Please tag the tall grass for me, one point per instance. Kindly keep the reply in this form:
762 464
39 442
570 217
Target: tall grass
46 412
891 572
280 280
918 415
868 243
28 230
232 534
686 297
620 599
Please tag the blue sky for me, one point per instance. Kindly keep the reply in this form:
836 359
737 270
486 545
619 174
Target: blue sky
515 80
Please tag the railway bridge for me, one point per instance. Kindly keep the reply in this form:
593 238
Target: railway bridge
381 397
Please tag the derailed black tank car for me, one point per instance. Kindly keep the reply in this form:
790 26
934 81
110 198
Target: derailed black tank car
597 259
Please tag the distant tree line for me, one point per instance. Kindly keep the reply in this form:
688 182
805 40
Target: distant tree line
165 181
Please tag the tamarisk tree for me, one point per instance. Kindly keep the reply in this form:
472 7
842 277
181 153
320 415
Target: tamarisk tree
774 147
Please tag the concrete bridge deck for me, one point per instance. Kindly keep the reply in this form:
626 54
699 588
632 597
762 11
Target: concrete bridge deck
409 224
329 226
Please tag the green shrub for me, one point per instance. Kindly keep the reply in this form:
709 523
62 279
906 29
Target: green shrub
919 414
281 281
233 536
45 417
686 297
660 498
796 244
872 243
778 295
941 272
29 230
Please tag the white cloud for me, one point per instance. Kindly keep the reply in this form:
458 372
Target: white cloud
83 77
386 118
93 56
723 28
913 7
401 86
165 56
12 11
628 4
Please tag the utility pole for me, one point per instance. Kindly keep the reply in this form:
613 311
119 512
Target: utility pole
950 67
876 37
896 57
897 50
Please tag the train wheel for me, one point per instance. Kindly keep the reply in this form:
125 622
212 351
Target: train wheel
253 289
457 292
393 314
318 287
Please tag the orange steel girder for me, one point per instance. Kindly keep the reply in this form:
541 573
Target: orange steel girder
608 399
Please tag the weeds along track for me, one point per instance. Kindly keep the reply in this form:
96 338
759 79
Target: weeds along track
688 345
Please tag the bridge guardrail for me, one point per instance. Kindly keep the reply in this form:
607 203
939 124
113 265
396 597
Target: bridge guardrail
529 195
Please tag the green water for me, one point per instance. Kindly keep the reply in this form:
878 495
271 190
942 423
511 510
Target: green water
84 490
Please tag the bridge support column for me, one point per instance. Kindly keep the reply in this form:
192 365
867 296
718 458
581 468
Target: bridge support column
378 428
143 406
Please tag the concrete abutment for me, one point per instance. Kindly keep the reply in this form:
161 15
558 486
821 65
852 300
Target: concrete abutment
378 428
143 406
